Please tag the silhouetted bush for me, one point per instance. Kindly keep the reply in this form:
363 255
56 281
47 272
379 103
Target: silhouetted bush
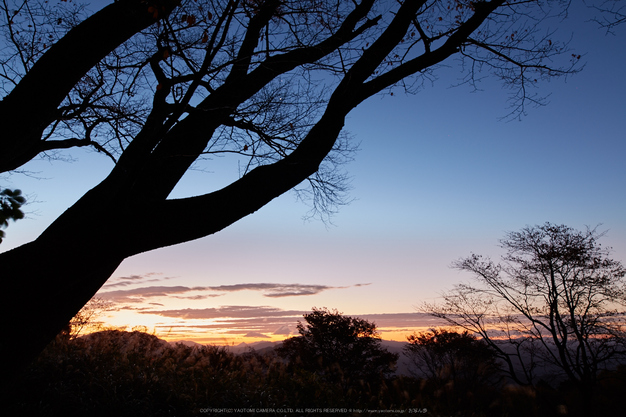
339 349
460 370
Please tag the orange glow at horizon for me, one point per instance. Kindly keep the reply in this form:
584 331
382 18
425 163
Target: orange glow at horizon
223 336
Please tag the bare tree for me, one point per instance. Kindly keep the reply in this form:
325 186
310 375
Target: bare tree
553 301
161 85
86 320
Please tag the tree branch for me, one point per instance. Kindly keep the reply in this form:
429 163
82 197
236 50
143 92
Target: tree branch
56 73
451 46
49 145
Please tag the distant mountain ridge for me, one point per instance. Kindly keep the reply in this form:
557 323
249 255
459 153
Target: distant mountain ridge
265 346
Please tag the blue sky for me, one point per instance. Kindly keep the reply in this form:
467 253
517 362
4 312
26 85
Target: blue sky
438 176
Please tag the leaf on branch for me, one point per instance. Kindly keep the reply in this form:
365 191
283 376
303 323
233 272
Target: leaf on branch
11 202
154 11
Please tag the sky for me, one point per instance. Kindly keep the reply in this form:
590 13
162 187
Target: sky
438 176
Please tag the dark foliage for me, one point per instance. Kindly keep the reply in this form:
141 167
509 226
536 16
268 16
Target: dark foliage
11 202
338 348
440 354
458 366
116 373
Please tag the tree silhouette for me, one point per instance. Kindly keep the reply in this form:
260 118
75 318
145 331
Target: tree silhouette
554 301
161 85
339 348
443 356
461 369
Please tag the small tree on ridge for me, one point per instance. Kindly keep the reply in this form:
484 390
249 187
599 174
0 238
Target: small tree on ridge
338 347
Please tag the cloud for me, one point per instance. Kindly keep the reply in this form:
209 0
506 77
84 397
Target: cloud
239 312
278 290
196 297
283 330
137 277
134 279
406 320
232 320
132 308
117 284
242 321
138 295
256 334
264 316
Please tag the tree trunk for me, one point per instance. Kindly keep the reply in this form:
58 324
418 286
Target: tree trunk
46 283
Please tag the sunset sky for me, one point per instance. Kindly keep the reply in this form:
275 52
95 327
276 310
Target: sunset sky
438 176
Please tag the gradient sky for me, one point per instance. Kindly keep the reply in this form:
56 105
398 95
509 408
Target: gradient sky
438 176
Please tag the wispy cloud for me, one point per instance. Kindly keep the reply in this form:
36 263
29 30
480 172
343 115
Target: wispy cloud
277 290
131 308
239 312
257 334
403 321
134 279
232 320
266 320
262 321
196 297
138 277
283 330
118 284
139 295
270 290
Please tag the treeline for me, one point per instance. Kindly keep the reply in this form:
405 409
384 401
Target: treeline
336 362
